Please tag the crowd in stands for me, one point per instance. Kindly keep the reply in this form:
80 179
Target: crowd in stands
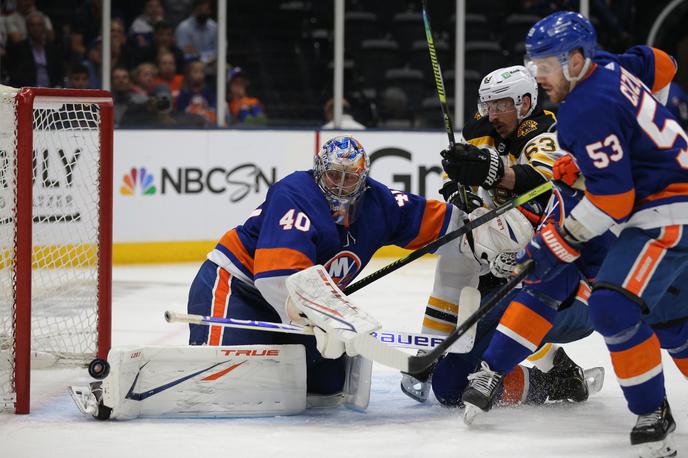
280 56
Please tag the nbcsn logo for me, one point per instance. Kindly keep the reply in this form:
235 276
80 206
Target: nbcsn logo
137 179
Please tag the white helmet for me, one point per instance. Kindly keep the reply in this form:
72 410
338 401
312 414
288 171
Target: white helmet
512 82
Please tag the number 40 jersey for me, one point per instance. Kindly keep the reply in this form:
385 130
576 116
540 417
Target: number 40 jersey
630 149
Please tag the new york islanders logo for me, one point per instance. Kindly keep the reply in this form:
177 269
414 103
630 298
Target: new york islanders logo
343 267
137 178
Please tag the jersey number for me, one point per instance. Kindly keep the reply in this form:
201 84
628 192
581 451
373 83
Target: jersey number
300 222
665 138
600 159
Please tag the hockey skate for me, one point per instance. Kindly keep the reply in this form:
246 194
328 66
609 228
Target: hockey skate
569 381
89 400
484 386
652 434
417 386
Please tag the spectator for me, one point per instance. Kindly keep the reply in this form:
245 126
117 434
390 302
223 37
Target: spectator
163 40
348 121
35 61
85 28
177 10
16 23
157 112
197 35
167 74
242 108
677 103
78 77
141 30
118 54
123 94
144 78
195 97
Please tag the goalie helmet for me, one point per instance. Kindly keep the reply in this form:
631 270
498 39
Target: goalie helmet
509 82
340 169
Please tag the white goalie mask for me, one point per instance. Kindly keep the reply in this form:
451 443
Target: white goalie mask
340 168
509 82
508 232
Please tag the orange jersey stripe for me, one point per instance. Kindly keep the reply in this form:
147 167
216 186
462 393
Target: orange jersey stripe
617 206
673 190
652 253
220 297
682 364
637 360
268 259
433 324
233 243
525 322
433 218
514 385
665 69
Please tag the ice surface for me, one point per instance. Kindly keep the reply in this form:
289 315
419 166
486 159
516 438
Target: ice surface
393 426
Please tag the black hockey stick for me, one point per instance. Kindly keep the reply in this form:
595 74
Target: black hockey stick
441 94
448 237
417 364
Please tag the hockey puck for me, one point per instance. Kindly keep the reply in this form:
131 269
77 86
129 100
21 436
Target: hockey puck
98 369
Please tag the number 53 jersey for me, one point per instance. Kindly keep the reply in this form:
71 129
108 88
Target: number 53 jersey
631 151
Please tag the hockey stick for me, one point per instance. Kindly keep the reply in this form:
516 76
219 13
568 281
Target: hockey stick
398 339
371 349
448 237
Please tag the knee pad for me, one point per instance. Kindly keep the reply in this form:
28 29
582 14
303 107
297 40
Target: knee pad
611 312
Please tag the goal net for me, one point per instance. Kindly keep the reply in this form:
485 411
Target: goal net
55 232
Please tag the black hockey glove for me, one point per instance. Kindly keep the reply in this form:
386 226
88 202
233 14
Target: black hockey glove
472 166
451 194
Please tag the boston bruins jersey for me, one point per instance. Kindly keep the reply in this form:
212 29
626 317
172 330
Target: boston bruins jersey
530 150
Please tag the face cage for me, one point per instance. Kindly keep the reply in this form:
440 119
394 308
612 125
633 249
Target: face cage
344 208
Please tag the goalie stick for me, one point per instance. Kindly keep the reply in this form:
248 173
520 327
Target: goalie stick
398 339
448 237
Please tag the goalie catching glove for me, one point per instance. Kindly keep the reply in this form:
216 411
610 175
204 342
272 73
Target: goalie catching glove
473 166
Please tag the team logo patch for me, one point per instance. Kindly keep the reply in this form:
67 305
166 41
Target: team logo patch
343 267
526 127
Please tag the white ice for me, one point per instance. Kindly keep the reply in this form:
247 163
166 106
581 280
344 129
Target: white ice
394 425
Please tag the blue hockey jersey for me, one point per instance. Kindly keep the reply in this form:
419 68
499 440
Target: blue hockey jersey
293 229
631 151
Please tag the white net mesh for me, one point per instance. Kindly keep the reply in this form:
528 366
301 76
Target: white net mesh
64 283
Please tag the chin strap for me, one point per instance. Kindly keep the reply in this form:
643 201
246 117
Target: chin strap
573 80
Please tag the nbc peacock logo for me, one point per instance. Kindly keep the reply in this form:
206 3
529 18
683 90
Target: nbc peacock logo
137 181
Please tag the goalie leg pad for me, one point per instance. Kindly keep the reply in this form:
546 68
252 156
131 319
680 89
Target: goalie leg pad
228 381
357 383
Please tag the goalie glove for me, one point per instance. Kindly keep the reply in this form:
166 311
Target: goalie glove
504 264
473 166
551 251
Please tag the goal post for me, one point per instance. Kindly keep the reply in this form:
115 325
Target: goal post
55 231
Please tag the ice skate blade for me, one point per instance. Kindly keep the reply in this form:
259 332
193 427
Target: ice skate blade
469 413
418 392
84 399
594 378
660 449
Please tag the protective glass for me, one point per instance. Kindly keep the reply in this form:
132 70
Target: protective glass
496 107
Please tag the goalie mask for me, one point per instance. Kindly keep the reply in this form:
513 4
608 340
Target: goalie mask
340 170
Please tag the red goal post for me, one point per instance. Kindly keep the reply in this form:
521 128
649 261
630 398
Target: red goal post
55 232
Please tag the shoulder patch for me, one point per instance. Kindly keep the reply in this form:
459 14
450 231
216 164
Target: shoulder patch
526 127
477 116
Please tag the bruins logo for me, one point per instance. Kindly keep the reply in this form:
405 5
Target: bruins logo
526 127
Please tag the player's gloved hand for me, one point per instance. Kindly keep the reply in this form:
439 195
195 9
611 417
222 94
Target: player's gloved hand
473 166
566 170
550 252
452 194
329 344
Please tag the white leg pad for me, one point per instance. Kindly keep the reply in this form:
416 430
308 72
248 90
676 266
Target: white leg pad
359 372
189 381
